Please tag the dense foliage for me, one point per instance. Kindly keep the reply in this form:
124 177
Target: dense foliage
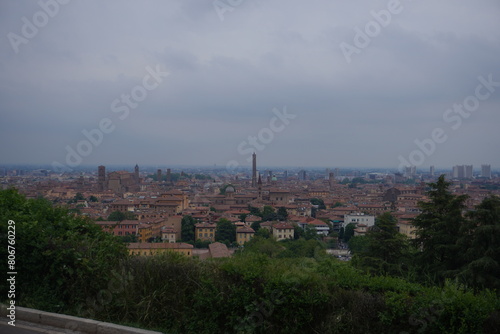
188 228
457 244
61 259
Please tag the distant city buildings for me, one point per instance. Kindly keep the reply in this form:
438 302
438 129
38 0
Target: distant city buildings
410 171
462 172
486 171
153 203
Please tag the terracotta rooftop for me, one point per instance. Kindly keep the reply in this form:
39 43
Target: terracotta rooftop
245 229
205 225
218 249
163 245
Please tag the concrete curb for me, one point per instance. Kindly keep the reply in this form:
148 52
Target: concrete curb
70 323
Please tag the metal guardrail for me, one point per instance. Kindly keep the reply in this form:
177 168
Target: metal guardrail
70 323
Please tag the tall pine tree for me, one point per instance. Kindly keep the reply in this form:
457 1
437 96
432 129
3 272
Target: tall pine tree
481 244
439 227
386 249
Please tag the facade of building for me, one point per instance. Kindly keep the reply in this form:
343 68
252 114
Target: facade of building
360 230
150 249
244 234
279 197
359 218
282 231
123 228
205 231
168 234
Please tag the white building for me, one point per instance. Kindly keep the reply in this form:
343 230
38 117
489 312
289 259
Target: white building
359 218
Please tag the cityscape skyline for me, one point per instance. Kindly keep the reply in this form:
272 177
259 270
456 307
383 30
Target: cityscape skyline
380 85
254 171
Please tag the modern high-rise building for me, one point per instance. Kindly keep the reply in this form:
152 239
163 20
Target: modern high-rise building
331 180
486 171
410 171
462 172
468 171
254 170
432 171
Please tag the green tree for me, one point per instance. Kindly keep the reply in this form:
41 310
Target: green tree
267 246
341 233
187 228
439 227
348 232
358 244
79 197
129 238
385 247
254 211
116 216
282 214
64 259
302 248
201 243
225 231
119 216
268 213
243 216
481 242
93 199
298 232
263 233
319 202
310 233
255 226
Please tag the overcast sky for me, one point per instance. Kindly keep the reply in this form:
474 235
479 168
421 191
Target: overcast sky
349 98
